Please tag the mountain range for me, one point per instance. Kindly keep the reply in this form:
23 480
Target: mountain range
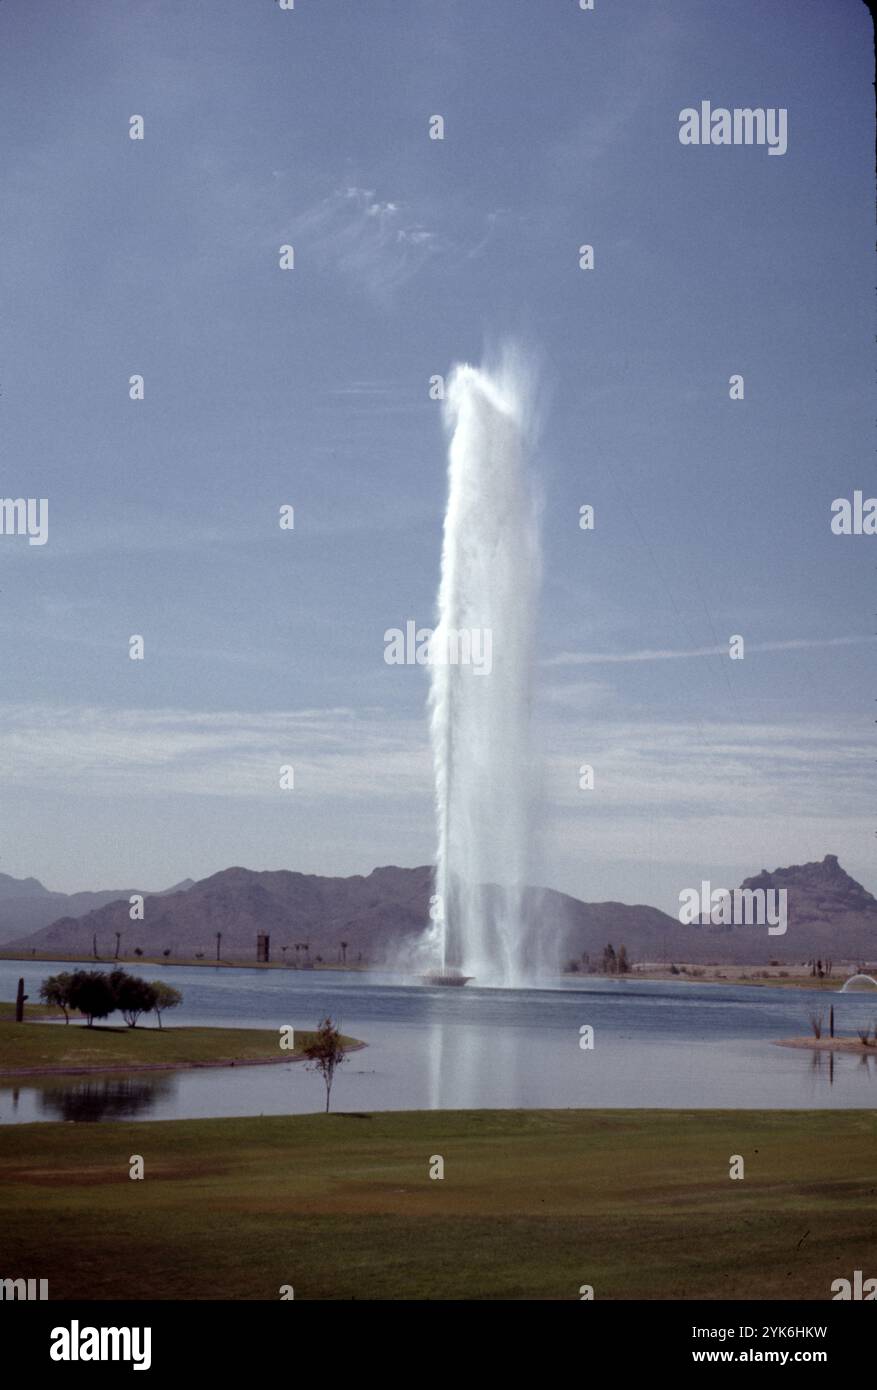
381 915
26 905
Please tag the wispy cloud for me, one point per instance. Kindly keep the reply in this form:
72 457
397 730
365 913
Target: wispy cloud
335 752
382 243
683 765
377 242
642 62
679 791
673 799
676 654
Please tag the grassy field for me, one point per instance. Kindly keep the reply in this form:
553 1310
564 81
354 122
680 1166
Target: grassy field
533 1204
31 1011
73 1047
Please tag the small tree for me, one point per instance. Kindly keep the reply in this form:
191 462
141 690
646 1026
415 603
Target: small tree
623 962
325 1053
610 963
166 997
91 994
133 996
55 990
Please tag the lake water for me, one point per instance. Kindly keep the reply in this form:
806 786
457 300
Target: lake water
656 1044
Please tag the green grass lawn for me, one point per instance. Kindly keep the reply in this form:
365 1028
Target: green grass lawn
74 1045
7 1010
532 1205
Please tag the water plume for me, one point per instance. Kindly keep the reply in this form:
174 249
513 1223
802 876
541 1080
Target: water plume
480 670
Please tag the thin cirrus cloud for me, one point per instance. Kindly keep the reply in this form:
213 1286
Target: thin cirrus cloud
673 654
369 753
804 784
691 769
336 752
376 243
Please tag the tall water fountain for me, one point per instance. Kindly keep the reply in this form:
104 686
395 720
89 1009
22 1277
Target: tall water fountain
480 666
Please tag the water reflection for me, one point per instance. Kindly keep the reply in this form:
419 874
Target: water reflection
823 1065
91 1099
657 1044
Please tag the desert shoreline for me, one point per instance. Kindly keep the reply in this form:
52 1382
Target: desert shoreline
758 975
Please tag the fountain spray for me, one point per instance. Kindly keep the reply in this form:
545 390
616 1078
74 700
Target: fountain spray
481 658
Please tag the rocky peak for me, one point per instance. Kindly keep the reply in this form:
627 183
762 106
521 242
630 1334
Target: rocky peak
817 889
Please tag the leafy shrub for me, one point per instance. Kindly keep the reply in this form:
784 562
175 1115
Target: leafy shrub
92 994
132 995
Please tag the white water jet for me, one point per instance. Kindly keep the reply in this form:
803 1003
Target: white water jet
480 706
852 980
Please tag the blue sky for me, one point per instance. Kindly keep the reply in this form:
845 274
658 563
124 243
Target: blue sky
309 387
